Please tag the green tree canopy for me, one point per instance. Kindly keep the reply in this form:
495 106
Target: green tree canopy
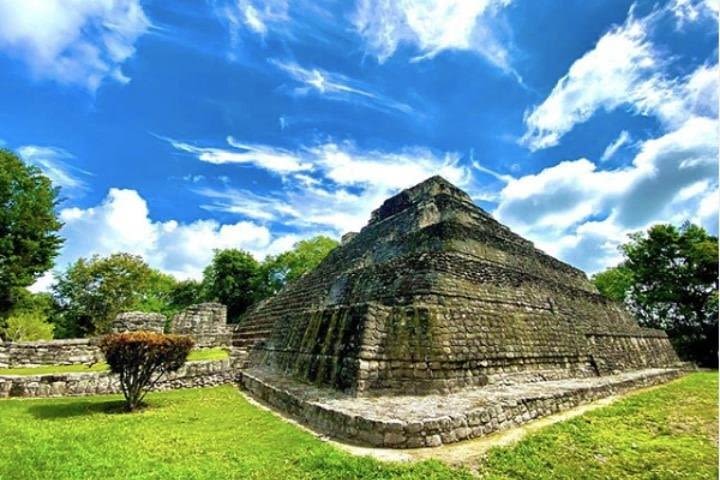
278 271
185 293
92 292
27 326
614 282
670 281
28 226
232 279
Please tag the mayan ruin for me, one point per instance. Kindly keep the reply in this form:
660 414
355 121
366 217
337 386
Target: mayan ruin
436 323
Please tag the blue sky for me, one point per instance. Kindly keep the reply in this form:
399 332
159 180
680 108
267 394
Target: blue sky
174 128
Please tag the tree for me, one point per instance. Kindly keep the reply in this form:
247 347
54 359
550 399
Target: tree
614 282
28 326
231 278
156 294
92 292
28 226
141 359
185 293
674 286
278 271
31 317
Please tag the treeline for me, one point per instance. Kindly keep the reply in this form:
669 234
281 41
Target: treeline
89 293
668 279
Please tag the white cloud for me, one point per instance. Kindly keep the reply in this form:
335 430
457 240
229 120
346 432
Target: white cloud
623 69
337 87
273 159
620 69
581 213
254 16
122 223
616 145
433 26
689 11
53 161
343 187
72 41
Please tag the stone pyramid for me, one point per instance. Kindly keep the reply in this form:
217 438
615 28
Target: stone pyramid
435 296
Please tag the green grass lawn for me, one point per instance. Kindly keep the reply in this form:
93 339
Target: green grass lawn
195 356
669 432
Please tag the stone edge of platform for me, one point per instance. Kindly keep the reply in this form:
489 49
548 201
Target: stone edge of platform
433 432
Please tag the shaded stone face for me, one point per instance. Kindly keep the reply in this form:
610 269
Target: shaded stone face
205 322
139 321
433 296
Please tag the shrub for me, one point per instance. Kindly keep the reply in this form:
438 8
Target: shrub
27 326
142 358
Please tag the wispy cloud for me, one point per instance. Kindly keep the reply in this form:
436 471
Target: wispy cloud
273 159
336 86
256 17
342 187
434 26
690 11
79 43
616 145
624 68
54 162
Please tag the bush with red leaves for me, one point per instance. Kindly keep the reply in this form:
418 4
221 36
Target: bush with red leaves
142 358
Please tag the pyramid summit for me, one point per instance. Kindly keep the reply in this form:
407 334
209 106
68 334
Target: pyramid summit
435 297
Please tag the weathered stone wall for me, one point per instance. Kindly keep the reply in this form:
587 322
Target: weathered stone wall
53 352
193 374
614 352
433 296
139 321
413 424
206 323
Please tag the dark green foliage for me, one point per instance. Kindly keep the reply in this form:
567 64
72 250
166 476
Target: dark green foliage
185 293
669 280
231 278
142 358
92 292
28 226
278 271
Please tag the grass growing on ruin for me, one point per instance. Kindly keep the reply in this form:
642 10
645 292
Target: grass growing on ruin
215 353
669 432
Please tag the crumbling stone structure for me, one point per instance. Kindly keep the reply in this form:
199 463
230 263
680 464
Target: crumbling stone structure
206 323
137 321
435 296
51 352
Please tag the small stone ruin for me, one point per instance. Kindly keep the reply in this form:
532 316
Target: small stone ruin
436 323
139 321
205 322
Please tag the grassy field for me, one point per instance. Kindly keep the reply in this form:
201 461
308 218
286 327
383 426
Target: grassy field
195 356
669 432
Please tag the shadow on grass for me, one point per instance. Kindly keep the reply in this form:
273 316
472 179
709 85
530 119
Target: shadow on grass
78 408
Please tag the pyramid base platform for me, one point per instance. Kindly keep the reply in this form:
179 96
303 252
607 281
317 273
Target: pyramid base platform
433 420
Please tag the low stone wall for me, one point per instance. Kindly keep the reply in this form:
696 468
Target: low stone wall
193 374
414 424
53 352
